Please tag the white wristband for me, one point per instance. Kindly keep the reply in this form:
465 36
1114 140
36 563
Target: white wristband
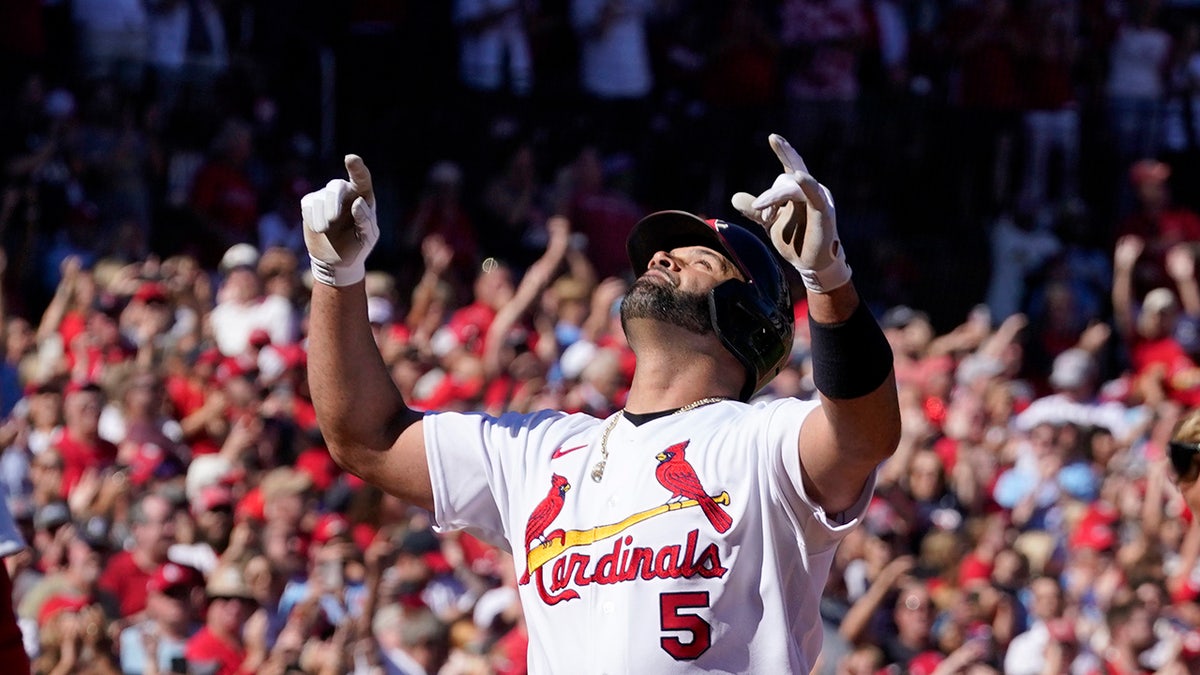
833 275
333 275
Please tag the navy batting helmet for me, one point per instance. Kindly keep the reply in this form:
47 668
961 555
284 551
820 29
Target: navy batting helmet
753 318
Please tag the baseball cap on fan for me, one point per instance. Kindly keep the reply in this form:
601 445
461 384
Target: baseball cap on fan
58 604
239 256
227 581
1159 300
901 316
51 516
171 576
1095 536
925 663
1072 369
206 470
151 292
329 527
212 498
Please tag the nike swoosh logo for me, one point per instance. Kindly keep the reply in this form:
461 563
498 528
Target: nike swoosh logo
560 452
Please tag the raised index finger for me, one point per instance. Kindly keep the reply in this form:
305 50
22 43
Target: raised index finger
360 178
787 155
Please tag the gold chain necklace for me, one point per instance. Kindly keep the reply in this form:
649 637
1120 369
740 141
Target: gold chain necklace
598 470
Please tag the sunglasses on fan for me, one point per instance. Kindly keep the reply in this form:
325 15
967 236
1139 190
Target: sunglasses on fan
1184 458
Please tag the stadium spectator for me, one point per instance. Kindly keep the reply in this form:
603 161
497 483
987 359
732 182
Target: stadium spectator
225 644
173 597
128 573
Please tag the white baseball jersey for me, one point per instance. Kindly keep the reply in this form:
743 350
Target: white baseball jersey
698 550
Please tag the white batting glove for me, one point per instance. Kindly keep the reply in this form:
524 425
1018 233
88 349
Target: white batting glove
799 215
339 226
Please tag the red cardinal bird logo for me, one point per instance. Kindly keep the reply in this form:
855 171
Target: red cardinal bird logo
544 514
675 474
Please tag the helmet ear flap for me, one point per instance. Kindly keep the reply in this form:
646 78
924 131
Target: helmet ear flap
752 331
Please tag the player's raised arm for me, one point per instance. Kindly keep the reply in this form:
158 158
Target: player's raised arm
370 430
852 361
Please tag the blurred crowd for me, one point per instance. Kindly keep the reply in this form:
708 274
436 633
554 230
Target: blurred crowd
173 126
1008 177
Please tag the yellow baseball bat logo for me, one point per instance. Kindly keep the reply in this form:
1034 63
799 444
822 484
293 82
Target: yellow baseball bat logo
547 551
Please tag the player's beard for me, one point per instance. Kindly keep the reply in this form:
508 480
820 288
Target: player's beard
647 299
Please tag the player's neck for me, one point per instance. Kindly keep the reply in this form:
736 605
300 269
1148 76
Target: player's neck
676 367
674 382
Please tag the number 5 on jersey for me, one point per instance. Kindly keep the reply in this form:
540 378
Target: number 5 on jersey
671 619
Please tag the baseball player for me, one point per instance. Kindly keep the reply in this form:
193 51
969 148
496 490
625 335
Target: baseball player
691 531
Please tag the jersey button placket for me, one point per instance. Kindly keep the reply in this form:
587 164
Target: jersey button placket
607 633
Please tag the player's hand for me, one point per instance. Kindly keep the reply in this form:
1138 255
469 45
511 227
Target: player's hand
339 226
799 215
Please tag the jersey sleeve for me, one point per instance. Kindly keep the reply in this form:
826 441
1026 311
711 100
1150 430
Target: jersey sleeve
476 462
821 530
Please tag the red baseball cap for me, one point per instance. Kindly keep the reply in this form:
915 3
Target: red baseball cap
170 576
212 497
251 507
150 291
924 663
259 337
61 603
400 333
209 357
437 562
293 355
329 526
145 462
362 534
1097 536
469 325
151 461
973 569
1100 512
